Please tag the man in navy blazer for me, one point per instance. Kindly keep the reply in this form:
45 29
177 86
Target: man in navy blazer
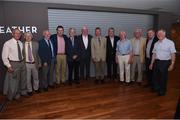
151 40
73 56
46 54
85 58
111 53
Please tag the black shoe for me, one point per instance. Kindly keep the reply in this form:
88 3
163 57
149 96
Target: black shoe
45 89
161 94
37 91
70 83
30 93
52 86
102 81
96 81
77 82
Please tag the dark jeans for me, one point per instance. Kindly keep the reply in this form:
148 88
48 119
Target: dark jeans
149 73
160 75
73 66
111 67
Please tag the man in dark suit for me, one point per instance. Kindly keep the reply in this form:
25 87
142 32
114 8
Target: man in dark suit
73 56
46 53
59 42
111 53
85 48
151 40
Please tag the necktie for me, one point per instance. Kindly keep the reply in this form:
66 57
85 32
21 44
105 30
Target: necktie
72 39
99 41
29 53
50 47
19 51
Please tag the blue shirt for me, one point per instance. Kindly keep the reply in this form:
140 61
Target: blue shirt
163 49
123 47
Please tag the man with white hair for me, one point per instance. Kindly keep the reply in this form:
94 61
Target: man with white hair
138 51
85 49
163 60
32 61
46 54
124 56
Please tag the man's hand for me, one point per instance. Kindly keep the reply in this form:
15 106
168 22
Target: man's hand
10 70
171 67
151 66
45 64
74 57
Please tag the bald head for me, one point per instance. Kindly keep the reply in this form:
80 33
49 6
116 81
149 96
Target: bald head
84 30
46 34
137 33
122 35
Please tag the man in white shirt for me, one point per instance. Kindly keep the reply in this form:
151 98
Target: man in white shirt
15 81
163 60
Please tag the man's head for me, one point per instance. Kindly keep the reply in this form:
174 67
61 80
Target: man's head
84 31
46 34
16 33
60 31
161 34
150 33
137 33
122 35
72 32
111 32
97 31
28 36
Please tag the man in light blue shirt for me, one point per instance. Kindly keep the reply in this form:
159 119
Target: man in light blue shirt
162 61
124 56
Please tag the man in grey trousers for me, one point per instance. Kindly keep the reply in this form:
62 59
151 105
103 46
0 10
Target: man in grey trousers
15 81
32 61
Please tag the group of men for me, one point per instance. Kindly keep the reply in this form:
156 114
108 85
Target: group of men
34 66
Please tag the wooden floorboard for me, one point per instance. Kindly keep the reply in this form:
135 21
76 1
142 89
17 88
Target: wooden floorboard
87 100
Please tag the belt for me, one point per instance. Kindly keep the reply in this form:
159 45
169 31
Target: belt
61 54
15 61
124 54
30 62
162 60
136 55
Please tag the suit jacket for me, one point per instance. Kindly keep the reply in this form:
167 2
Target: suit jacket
142 47
98 52
73 50
85 53
111 50
44 52
35 48
55 43
152 45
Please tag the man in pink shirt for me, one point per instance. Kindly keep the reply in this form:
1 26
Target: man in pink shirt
59 42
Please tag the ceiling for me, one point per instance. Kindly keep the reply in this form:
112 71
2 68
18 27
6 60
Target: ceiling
172 6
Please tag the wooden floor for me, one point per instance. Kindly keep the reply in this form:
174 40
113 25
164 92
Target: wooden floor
111 100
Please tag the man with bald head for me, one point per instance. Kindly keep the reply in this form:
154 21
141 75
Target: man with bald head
124 57
46 54
13 59
85 50
163 60
138 51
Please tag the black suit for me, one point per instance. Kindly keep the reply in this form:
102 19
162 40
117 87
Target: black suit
110 57
85 58
148 61
73 64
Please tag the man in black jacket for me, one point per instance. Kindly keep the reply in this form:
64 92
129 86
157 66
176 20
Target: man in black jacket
111 53
151 40
85 49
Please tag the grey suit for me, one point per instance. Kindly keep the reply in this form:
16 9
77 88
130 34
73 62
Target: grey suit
98 52
32 67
